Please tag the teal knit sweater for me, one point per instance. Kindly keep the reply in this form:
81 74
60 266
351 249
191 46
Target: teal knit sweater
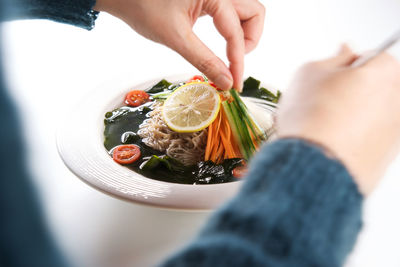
75 12
298 207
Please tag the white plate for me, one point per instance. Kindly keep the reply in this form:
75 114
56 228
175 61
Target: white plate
80 145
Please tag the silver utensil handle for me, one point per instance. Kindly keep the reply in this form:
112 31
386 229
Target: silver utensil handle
383 47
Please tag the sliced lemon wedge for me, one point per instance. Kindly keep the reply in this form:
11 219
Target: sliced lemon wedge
192 107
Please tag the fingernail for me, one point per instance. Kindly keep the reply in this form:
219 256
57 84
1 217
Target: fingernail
239 87
224 82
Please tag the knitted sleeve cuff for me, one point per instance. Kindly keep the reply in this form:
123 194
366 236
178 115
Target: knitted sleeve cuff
298 207
75 12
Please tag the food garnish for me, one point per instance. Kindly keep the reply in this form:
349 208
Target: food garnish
126 154
136 98
240 171
188 132
196 78
192 107
251 87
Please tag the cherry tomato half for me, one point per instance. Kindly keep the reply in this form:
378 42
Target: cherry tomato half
126 154
240 171
214 85
136 98
196 78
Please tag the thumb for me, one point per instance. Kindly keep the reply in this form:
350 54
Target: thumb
200 56
344 57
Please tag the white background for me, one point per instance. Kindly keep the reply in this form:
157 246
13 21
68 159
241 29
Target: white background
51 66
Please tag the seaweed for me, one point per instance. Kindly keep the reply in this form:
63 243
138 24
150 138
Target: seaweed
207 172
169 163
251 88
161 86
122 124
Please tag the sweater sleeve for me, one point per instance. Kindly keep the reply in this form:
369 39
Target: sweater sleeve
74 12
298 207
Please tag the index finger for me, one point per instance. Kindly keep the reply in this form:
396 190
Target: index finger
227 22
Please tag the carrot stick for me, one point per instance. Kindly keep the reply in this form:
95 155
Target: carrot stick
215 138
219 122
208 146
225 141
221 143
219 153
233 147
213 142
226 155
214 152
233 142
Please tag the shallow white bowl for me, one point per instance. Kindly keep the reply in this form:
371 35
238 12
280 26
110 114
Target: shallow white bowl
80 145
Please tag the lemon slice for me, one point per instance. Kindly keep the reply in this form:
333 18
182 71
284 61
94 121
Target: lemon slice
192 107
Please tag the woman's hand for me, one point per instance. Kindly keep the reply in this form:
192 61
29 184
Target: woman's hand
355 112
170 22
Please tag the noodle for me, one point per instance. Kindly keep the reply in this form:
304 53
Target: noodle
188 148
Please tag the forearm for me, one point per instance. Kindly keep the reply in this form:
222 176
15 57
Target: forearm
75 12
297 208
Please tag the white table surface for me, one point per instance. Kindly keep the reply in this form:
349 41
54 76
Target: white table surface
51 66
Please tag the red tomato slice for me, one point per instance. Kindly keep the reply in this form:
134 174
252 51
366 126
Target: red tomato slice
136 98
240 171
126 154
214 85
196 78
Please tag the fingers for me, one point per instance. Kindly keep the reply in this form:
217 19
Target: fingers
384 61
252 16
344 57
386 65
240 23
200 56
227 22
252 29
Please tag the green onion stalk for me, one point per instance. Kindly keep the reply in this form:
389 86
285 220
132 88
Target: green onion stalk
243 125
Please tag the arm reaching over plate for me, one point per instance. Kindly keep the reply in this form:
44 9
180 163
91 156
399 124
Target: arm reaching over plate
170 22
300 204
351 111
